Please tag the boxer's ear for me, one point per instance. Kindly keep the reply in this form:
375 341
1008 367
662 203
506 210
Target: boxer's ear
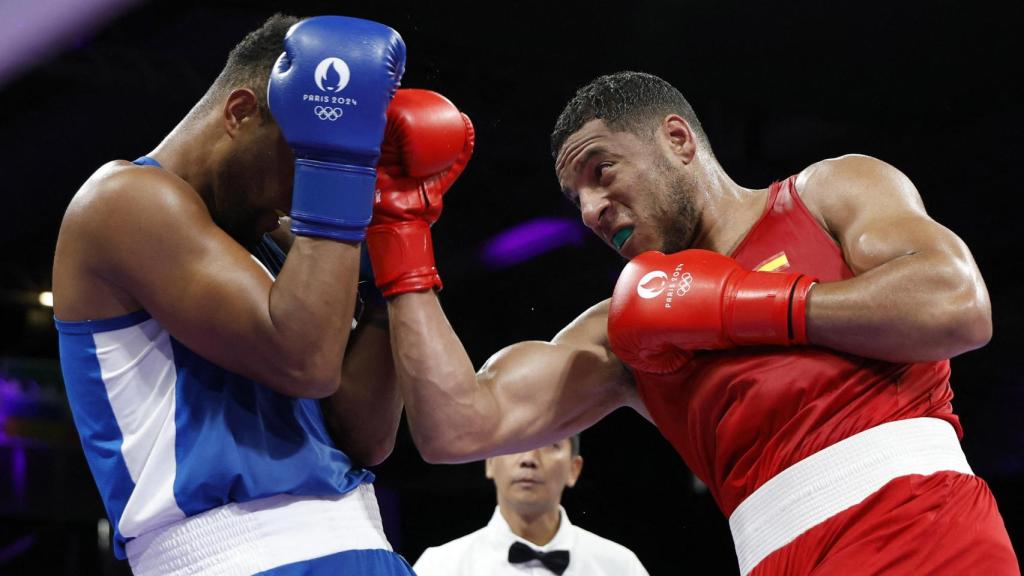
677 134
240 104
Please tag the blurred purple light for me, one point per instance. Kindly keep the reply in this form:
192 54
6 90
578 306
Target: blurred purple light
530 239
19 473
33 30
17 548
8 389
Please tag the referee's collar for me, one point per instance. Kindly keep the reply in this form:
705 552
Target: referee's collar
501 535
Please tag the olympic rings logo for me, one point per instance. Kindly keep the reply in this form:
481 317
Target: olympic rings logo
326 113
655 282
685 283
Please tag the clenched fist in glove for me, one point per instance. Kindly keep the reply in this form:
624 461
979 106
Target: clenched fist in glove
427 144
666 305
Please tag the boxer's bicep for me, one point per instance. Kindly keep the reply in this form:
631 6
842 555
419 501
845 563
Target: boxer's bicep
917 294
542 392
590 332
883 228
536 393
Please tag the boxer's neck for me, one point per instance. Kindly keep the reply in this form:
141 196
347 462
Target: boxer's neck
190 151
728 210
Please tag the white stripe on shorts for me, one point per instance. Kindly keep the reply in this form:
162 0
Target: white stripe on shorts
250 537
836 478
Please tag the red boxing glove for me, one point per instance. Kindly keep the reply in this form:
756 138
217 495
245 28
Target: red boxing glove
667 305
427 144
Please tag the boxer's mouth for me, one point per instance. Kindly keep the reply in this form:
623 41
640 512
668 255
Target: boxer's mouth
621 236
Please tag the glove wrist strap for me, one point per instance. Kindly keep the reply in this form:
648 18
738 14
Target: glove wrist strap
402 255
332 200
798 309
769 308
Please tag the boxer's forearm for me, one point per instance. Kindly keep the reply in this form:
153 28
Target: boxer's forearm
364 414
920 307
443 402
310 314
333 185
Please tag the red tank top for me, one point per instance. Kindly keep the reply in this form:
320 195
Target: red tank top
739 417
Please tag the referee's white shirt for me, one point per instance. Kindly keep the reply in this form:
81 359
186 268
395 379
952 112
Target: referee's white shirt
486 552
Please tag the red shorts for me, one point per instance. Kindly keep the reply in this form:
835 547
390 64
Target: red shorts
943 523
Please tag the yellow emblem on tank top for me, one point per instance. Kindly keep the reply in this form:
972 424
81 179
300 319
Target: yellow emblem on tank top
776 263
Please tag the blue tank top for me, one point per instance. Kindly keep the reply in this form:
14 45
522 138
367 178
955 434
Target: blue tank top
168 434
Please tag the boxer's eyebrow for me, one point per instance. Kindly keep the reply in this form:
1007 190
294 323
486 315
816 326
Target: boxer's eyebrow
587 157
577 164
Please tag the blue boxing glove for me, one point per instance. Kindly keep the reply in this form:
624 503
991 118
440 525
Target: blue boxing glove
329 92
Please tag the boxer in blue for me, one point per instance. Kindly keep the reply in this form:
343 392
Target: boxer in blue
226 416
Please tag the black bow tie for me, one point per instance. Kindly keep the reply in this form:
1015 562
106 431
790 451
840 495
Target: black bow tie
556 560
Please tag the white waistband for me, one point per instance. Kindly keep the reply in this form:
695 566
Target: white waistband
836 478
250 537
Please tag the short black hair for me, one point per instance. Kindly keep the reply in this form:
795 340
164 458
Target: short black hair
626 101
574 444
251 60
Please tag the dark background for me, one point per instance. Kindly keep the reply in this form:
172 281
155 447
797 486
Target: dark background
926 86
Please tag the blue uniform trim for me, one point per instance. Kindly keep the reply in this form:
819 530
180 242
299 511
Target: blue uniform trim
105 325
97 426
146 161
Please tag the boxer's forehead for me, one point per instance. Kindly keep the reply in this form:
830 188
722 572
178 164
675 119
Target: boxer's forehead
577 143
594 139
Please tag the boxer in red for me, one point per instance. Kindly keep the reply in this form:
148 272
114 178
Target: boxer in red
792 343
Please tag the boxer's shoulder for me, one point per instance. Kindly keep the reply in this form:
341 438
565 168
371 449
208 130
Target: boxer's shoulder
113 226
121 200
838 189
123 186
833 179
84 246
